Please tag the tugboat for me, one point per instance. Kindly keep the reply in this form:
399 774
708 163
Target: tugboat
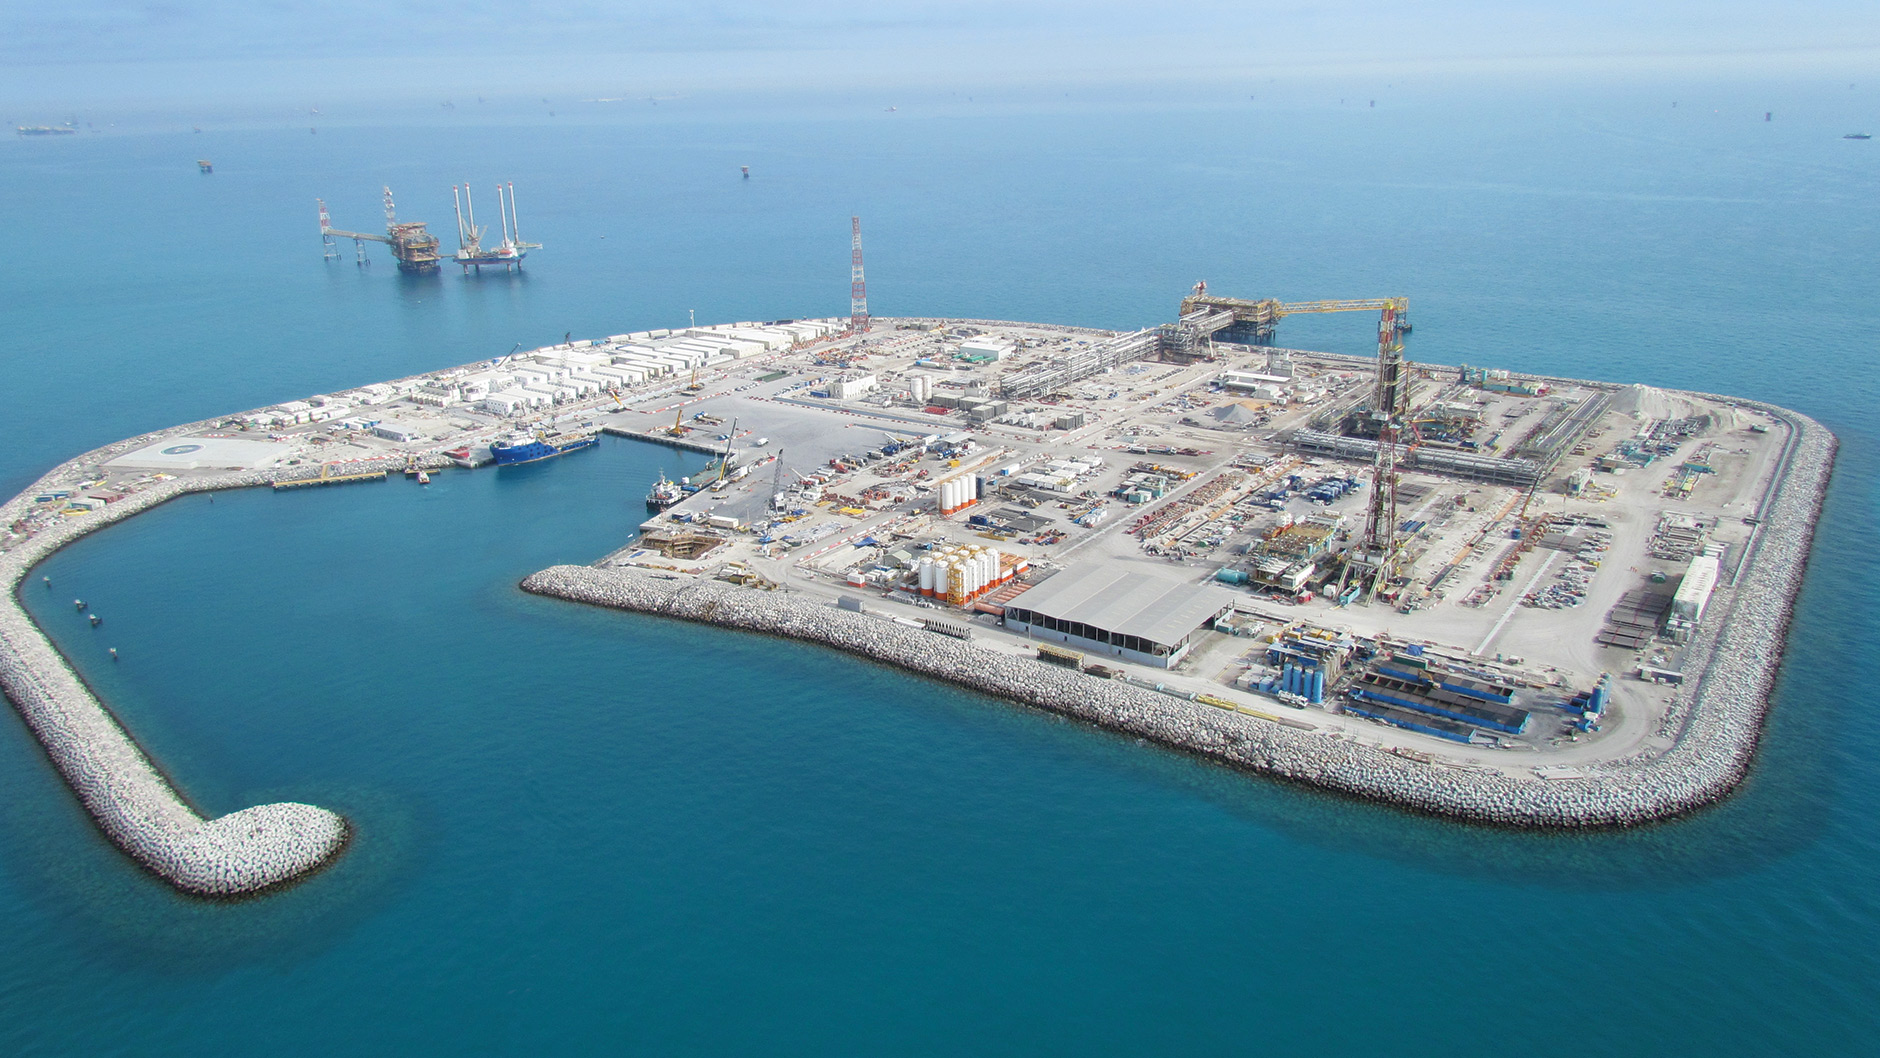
666 492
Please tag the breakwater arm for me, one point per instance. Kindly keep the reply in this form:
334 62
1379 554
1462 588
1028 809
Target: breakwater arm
136 807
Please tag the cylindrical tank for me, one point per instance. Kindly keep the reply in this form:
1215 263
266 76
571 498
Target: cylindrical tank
949 496
926 575
940 573
1318 685
997 567
972 486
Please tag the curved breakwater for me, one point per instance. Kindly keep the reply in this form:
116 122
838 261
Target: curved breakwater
136 807
1714 724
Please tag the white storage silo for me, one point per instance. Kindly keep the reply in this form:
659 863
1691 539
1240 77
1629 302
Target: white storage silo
926 575
992 553
942 578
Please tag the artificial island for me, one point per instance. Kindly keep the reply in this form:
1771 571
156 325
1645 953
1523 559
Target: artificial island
1494 596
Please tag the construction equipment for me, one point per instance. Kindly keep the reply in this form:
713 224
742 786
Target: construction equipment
677 429
413 246
724 462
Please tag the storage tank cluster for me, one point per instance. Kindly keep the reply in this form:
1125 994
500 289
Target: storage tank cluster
961 573
921 387
1307 683
957 494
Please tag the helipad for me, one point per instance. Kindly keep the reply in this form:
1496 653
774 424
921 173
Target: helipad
205 453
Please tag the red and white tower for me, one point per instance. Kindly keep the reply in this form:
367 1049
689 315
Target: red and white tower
858 287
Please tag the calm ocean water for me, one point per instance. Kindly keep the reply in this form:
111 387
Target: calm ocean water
589 832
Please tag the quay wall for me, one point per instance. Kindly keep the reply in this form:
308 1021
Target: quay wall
253 849
1713 726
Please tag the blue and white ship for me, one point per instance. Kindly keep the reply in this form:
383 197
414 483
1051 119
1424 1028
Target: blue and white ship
524 446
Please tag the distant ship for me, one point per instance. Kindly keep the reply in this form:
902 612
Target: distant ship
526 447
666 492
1857 136
48 130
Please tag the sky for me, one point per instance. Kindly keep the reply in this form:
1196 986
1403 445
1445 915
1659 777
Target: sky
92 50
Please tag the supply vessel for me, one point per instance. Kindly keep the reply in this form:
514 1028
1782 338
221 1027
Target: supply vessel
666 492
526 446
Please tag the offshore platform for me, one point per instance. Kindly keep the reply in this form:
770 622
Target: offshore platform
417 250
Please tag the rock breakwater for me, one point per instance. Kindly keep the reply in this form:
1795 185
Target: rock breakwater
136 807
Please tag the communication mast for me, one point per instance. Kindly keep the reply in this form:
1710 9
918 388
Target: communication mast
858 287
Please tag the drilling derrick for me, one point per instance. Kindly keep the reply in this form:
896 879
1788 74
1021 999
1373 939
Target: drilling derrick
858 288
1390 408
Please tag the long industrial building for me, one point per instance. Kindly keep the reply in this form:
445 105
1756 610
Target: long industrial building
1134 616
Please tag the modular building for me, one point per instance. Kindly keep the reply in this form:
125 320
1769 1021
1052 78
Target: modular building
1694 590
848 388
396 431
985 349
1134 616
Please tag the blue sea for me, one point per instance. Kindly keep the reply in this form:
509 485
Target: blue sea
583 832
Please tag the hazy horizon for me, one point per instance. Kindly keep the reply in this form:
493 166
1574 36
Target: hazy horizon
118 53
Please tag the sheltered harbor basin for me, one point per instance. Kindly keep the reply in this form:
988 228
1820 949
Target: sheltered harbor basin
1704 734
